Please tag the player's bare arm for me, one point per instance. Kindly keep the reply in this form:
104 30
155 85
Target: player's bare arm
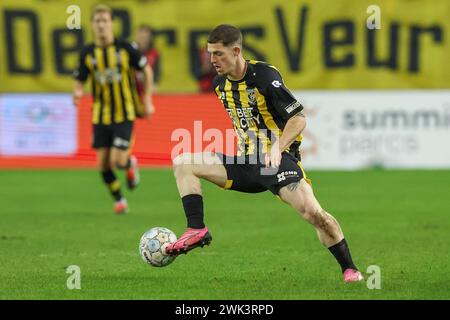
292 130
149 109
78 92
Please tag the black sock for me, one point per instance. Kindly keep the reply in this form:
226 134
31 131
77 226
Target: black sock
193 208
342 254
113 184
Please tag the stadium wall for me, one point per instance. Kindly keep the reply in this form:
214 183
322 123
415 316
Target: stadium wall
346 130
318 44
364 129
34 132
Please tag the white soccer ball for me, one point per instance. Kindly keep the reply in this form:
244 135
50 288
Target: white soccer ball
152 246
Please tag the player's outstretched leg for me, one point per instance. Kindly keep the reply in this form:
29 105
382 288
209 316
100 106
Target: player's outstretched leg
188 169
301 197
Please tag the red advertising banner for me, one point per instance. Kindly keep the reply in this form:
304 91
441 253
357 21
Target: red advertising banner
197 120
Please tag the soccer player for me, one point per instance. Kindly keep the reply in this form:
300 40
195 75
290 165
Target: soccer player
111 63
261 106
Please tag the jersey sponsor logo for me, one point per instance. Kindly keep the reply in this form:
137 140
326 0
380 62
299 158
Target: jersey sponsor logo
276 83
286 174
243 117
292 106
109 76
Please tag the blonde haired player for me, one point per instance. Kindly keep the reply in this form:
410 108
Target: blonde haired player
111 62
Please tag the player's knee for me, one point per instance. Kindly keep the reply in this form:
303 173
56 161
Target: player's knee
182 159
177 161
313 214
181 166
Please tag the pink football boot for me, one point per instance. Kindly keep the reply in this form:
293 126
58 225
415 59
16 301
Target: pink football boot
191 238
352 275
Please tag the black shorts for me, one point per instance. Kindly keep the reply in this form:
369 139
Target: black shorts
253 178
117 135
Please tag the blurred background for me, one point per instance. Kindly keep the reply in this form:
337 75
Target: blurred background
374 81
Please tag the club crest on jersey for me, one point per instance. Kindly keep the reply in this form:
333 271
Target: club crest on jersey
251 94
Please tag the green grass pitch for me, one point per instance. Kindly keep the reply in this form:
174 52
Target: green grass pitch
261 249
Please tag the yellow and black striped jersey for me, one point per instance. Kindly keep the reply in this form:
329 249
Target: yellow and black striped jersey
259 106
113 80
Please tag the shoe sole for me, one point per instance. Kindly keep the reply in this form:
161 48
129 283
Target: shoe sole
205 241
354 280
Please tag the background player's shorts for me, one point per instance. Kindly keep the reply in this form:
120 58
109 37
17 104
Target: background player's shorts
253 178
117 135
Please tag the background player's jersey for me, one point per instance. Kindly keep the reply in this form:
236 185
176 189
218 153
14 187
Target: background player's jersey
259 106
113 80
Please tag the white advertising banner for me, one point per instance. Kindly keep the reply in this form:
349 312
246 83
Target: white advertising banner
390 129
37 125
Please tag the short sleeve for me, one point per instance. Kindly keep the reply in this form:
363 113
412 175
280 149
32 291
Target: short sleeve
137 59
277 94
81 73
